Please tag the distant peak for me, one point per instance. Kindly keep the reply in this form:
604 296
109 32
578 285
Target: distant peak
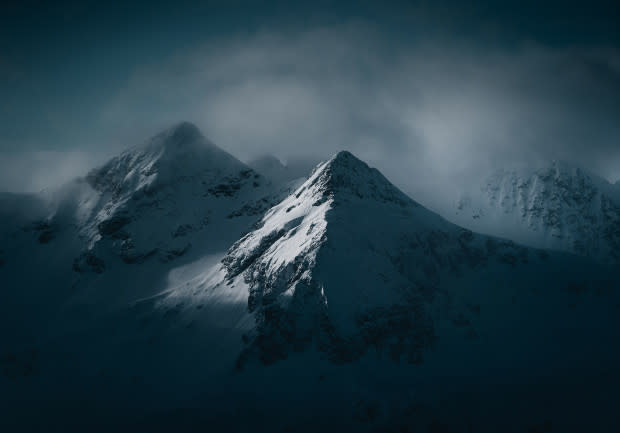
565 170
344 156
176 153
181 138
553 169
267 160
183 131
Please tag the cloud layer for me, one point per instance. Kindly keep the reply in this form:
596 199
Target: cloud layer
422 111
431 113
39 170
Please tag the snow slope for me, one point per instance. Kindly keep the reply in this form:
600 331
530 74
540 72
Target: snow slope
351 279
114 236
560 207
347 307
178 181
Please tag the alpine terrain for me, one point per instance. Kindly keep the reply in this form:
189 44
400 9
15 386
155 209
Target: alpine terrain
176 289
561 207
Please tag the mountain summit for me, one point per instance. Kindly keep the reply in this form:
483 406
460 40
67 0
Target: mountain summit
319 257
337 261
173 155
141 295
174 197
183 132
344 177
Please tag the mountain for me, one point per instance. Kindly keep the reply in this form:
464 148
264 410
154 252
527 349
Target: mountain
350 279
319 257
177 180
272 168
346 306
560 207
102 241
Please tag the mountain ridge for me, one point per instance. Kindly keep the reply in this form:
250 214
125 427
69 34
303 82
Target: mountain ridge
560 207
336 260
341 296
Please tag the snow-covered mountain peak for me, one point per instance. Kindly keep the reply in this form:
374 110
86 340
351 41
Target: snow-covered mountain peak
561 206
146 201
343 191
345 165
341 180
174 154
181 140
344 177
558 174
341 284
183 132
329 261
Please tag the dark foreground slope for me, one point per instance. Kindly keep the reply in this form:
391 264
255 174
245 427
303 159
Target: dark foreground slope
347 307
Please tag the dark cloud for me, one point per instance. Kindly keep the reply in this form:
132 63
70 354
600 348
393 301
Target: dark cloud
421 111
39 170
433 107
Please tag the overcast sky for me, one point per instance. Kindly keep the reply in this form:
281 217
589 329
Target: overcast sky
431 93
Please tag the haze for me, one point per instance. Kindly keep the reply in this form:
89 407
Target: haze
434 96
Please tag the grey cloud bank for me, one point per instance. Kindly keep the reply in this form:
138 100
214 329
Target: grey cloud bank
39 170
426 113
430 113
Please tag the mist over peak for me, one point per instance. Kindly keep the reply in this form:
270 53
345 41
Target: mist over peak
183 132
430 106
186 246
